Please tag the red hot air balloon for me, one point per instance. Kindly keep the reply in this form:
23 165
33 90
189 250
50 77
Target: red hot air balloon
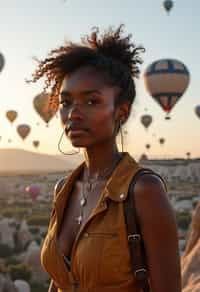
166 81
146 120
34 192
2 62
23 130
41 105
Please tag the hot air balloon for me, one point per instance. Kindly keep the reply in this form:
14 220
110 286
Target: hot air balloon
197 110
168 5
40 103
143 158
148 146
34 191
23 130
146 120
11 115
2 62
162 141
166 81
36 143
188 154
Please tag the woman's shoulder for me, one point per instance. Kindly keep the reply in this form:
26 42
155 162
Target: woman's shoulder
59 184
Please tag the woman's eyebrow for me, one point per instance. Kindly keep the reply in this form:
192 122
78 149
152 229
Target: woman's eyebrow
89 91
66 93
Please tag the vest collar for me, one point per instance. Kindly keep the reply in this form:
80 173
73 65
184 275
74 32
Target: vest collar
116 187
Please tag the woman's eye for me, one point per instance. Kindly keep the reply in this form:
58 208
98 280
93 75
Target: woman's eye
65 103
91 102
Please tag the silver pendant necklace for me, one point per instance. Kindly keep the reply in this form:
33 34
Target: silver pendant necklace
89 184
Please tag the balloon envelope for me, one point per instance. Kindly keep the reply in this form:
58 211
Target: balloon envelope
168 5
23 130
36 143
11 115
41 105
34 191
146 120
166 81
2 62
197 110
162 141
148 146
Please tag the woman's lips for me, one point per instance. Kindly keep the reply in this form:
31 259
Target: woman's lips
76 132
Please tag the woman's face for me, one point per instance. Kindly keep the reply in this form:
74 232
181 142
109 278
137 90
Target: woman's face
87 108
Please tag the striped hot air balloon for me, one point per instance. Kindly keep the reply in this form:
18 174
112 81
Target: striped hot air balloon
166 81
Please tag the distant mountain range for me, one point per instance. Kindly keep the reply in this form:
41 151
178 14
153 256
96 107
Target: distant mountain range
16 161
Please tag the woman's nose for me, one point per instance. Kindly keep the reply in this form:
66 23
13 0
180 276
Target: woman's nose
74 113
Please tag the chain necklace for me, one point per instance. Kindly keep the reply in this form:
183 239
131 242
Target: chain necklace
89 184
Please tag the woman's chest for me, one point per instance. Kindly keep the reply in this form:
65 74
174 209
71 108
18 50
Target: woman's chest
75 216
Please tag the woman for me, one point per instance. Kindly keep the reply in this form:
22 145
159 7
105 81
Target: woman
86 247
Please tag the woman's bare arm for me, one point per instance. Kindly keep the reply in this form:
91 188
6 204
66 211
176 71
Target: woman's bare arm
159 231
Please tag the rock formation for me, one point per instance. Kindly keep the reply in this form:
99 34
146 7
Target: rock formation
190 262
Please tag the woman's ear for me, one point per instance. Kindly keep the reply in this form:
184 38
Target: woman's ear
123 112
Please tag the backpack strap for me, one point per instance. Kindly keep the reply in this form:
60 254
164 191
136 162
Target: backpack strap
135 241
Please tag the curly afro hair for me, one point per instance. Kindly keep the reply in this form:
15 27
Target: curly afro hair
110 53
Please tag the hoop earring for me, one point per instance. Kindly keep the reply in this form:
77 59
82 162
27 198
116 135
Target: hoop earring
59 148
121 135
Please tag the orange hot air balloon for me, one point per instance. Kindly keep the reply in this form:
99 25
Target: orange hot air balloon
166 81
146 120
40 103
11 115
2 62
36 143
23 130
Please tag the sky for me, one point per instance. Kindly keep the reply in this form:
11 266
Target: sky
33 28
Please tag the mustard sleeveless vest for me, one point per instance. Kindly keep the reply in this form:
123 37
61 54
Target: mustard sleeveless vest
100 259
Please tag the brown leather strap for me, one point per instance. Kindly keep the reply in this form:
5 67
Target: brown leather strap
135 241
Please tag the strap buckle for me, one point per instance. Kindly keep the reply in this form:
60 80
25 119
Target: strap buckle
141 274
132 237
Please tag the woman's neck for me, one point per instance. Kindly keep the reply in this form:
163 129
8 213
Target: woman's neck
101 157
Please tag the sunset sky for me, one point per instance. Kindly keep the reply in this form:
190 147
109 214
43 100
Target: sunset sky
32 28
